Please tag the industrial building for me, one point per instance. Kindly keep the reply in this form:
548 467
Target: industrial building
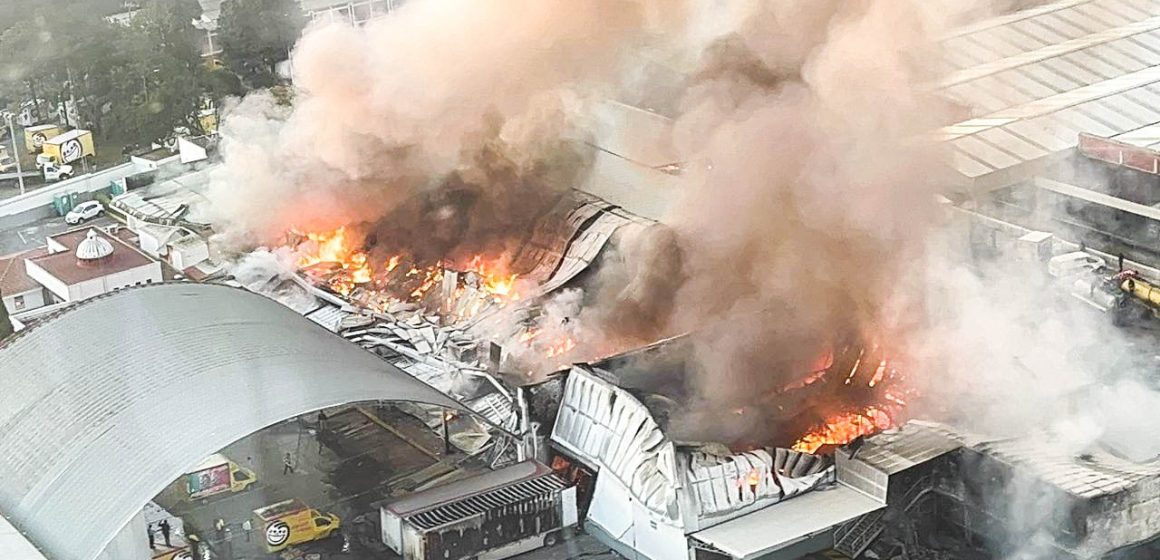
210 365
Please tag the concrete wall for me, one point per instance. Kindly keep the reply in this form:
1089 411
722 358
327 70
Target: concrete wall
47 280
97 286
37 204
187 254
32 300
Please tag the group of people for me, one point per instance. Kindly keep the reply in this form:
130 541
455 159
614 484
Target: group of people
165 532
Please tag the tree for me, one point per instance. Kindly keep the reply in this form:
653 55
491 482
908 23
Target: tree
256 35
160 84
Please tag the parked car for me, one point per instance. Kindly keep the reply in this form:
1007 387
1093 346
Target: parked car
7 164
84 211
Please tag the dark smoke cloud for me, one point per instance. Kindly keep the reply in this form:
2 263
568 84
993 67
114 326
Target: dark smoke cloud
816 202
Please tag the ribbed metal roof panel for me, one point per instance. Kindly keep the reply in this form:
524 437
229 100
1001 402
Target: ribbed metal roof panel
158 378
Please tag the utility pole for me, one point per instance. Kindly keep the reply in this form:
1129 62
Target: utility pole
15 154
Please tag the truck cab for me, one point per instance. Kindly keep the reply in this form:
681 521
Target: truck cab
55 172
292 522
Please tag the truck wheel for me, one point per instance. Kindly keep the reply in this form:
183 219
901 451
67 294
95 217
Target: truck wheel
64 177
552 539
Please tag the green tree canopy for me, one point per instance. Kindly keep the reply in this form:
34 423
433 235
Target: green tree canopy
257 34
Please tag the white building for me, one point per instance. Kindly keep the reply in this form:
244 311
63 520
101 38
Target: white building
20 292
84 263
354 12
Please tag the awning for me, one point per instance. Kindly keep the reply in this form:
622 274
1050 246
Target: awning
785 523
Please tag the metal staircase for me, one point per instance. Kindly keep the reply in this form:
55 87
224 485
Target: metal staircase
853 538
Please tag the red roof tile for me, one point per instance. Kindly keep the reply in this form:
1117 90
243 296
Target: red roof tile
67 268
13 278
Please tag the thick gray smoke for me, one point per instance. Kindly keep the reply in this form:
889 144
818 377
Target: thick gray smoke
450 125
466 103
806 223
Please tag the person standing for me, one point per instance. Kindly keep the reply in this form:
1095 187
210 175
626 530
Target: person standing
248 527
220 527
152 539
287 464
165 531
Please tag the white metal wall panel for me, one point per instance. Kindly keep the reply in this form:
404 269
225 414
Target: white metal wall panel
609 429
188 369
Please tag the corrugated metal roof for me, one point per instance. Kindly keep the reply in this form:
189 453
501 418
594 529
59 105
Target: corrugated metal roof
469 506
140 395
914 443
425 500
1040 77
1094 474
784 523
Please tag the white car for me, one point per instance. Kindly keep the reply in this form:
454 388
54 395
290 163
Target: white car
7 164
84 211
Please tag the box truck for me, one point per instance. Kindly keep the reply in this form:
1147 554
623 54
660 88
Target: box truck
66 148
494 515
215 475
36 136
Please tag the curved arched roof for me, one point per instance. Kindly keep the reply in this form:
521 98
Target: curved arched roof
105 404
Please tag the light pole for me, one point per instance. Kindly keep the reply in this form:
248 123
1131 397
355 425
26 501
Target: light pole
15 153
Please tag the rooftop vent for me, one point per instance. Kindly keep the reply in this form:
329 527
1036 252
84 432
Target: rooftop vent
93 248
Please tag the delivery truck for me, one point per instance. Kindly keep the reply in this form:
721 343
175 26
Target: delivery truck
293 522
36 136
66 148
494 515
216 475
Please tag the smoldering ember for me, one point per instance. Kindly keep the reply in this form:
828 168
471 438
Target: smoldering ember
651 279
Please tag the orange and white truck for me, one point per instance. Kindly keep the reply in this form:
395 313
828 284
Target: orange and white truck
293 522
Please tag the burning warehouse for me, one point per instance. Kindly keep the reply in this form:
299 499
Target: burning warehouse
730 376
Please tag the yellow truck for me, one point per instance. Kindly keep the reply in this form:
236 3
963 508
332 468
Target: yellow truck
36 136
66 148
293 522
216 475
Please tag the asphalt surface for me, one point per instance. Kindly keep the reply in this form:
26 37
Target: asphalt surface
329 482
33 235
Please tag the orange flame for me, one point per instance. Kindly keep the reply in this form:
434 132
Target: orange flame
844 428
561 348
390 284
329 247
752 479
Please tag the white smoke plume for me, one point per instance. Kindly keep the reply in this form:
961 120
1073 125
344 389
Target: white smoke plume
481 91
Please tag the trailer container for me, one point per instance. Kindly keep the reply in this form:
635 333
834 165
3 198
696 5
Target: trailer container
494 515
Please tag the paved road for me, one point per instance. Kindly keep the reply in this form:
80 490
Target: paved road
33 235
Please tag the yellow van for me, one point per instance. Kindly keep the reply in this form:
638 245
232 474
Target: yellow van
292 522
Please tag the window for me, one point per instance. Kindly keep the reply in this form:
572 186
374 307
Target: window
321 522
18 302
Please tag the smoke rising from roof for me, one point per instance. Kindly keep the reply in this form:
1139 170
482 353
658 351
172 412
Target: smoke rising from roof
443 95
816 199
